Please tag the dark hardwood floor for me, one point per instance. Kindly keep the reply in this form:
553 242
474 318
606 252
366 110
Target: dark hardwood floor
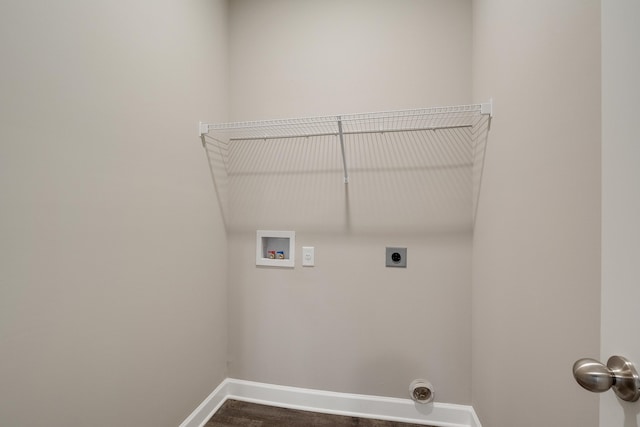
236 413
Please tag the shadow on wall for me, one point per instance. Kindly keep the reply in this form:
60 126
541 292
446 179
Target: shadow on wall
414 181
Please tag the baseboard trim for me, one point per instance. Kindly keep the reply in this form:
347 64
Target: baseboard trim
208 407
355 405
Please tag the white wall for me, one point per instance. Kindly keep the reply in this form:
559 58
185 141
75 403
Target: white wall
112 251
536 253
349 324
620 197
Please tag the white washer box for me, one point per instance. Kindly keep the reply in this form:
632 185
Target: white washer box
282 243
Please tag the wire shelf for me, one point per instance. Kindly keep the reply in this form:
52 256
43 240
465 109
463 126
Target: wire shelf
422 167
385 121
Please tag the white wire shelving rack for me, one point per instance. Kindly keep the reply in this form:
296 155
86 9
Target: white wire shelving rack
470 121
434 118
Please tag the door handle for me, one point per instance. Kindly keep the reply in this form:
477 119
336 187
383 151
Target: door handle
619 374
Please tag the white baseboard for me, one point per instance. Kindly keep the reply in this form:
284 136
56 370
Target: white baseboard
353 405
208 407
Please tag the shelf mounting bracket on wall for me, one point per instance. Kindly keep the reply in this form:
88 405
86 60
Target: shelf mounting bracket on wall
487 108
203 129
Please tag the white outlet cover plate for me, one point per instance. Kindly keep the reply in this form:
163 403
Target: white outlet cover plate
308 256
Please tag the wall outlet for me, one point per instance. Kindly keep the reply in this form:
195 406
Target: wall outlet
308 256
396 257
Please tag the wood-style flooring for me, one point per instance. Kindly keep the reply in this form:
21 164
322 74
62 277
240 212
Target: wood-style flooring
236 413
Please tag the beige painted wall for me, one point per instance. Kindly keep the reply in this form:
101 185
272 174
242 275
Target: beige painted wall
112 251
306 57
349 324
536 255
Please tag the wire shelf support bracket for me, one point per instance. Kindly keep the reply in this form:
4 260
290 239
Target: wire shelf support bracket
344 159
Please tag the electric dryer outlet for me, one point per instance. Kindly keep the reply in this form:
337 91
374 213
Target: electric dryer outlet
396 257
